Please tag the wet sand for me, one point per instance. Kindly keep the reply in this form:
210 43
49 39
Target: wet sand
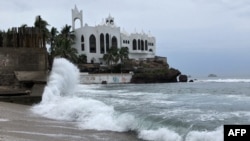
18 123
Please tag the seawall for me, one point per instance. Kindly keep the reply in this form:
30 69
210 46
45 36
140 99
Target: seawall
112 78
23 74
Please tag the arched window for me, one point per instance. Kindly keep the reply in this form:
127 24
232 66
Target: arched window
107 42
82 38
142 45
102 48
92 44
114 42
82 43
139 44
77 23
134 45
146 45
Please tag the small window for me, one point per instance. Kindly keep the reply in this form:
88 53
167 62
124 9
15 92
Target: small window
83 47
107 42
102 46
146 45
134 45
82 43
92 44
82 38
142 45
139 44
114 42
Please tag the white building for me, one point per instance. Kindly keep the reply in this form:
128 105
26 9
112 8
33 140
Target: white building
95 41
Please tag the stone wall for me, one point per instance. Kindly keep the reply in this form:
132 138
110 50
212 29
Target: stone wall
20 59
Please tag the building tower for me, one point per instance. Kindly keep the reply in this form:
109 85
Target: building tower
76 15
110 20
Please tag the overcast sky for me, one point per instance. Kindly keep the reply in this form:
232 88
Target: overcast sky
198 37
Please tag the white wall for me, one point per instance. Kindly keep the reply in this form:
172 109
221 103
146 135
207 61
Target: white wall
87 31
109 78
113 30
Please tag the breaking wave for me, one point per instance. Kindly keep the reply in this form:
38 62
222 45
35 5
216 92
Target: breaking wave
61 101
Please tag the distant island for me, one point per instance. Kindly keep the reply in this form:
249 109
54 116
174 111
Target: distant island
212 75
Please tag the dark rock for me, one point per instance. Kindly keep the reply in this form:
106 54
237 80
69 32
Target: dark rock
159 76
191 80
183 78
104 82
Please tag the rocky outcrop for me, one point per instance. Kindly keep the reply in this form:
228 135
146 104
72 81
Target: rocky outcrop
160 76
153 70
183 78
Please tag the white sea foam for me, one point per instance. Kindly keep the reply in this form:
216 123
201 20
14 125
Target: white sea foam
4 120
91 114
226 80
61 101
161 134
216 135
62 81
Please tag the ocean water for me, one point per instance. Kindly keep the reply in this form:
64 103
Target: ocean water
155 112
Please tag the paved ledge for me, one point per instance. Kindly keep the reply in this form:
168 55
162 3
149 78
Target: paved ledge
19 96
25 100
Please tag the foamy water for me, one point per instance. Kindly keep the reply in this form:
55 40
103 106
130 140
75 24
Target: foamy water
226 80
159 112
3 120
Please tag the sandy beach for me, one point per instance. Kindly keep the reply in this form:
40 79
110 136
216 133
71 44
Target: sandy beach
18 123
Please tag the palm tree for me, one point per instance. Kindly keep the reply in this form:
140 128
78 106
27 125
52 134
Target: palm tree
42 26
123 54
64 49
63 44
112 56
67 34
108 58
52 39
82 59
115 54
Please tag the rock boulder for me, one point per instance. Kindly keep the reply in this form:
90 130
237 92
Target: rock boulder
183 78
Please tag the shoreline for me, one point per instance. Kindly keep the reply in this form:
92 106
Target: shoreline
18 123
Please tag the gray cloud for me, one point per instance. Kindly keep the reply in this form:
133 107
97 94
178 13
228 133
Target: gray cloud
185 29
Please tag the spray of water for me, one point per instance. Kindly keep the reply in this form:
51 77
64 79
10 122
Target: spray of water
60 101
